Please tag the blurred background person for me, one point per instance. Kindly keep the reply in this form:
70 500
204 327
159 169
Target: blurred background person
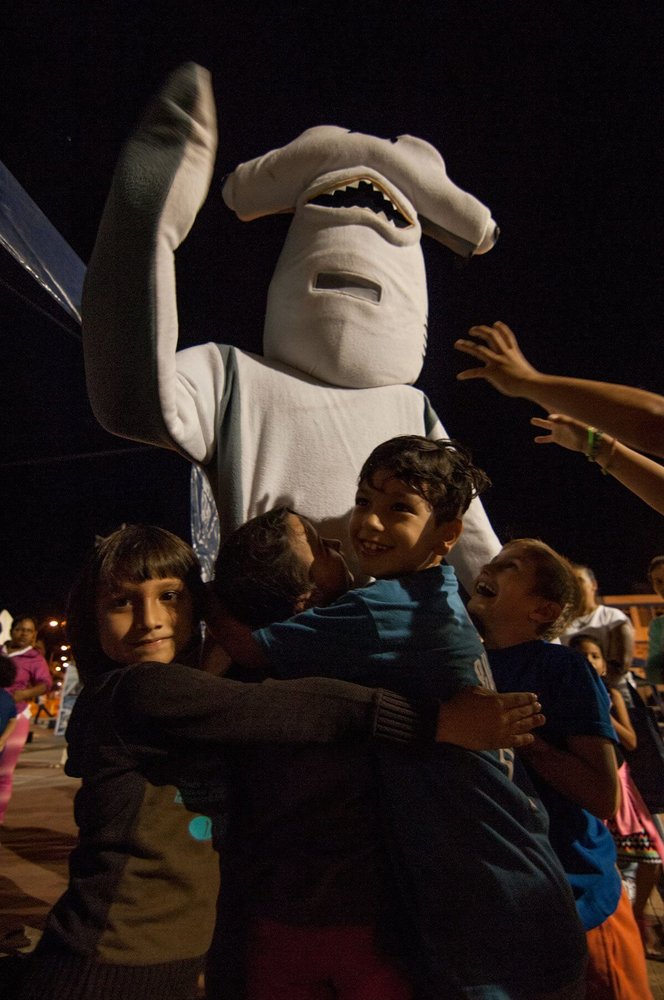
32 679
655 661
609 627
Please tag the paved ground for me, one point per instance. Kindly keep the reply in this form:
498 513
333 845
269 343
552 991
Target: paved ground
38 834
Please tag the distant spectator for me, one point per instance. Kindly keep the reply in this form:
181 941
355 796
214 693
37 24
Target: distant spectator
32 679
7 703
609 627
636 837
655 662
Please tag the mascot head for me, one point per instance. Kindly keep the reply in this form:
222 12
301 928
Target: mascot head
348 303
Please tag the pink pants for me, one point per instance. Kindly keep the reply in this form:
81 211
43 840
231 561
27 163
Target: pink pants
8 761
317 963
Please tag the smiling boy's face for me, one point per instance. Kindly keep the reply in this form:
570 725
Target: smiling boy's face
505 604
394 531
150 621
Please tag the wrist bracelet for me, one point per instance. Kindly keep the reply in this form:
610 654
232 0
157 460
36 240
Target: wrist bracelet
593 444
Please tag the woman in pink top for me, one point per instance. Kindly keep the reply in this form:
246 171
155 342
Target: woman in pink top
32 679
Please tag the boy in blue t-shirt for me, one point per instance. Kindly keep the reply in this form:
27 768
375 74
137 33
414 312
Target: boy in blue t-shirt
468 850
522 598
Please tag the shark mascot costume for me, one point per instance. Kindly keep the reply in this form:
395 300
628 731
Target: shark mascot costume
346 321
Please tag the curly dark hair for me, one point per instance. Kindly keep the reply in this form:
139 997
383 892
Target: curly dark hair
134 553
441 472
7 671
257 575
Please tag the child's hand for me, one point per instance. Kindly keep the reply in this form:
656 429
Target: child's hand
504 365
562 430
479 719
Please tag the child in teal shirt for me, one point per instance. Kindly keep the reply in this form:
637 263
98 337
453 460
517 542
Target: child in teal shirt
489 911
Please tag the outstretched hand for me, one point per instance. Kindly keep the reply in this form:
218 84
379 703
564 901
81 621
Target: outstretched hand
504 366
479 719
562 430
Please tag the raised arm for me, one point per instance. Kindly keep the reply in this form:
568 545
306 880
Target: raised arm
138 388
638 473
633 415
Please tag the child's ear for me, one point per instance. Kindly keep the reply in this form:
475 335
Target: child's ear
545 612
447 535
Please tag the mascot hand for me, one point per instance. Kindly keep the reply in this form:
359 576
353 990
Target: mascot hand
166 166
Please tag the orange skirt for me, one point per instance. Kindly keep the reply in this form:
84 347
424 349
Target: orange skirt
616 962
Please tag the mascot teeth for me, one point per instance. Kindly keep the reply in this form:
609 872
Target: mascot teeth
362 193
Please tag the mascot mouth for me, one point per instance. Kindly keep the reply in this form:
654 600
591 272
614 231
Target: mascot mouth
349 284
363 193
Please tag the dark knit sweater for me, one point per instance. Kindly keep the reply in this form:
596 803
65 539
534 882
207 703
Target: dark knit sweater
138 914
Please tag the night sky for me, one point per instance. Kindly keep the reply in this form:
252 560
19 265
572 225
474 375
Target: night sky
549 113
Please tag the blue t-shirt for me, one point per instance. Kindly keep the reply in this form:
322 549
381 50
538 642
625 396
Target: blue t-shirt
7 710
411 634
575 703
457 828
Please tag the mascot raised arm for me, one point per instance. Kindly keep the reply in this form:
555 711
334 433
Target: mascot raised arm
346 319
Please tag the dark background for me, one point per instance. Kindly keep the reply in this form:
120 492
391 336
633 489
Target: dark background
549 113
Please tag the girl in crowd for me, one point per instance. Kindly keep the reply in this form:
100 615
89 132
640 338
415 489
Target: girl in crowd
609 627
633 829
137 917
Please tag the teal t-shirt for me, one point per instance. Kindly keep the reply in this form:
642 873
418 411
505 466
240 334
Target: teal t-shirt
410 634
487 909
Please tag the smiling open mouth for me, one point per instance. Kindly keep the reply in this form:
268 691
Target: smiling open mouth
371 548
363 194
484 589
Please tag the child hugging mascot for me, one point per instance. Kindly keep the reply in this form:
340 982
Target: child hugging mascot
346 319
